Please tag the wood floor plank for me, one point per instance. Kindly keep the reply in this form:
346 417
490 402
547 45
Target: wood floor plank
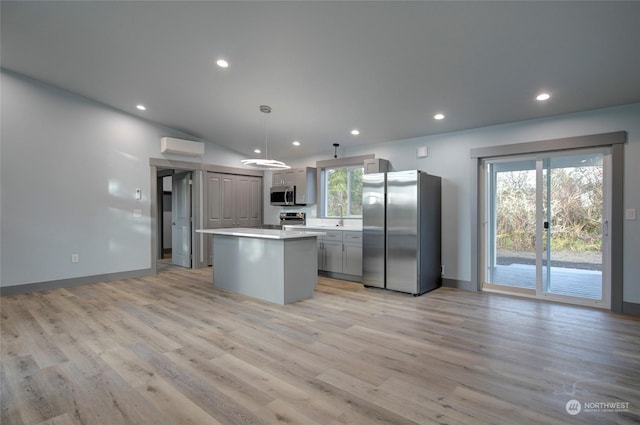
314 409
63 419
27 397
173 349
169 402
205 395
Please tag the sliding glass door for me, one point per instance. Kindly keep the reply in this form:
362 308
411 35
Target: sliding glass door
546 226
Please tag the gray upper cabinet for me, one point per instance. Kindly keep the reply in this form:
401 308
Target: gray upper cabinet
304 179
305 182
284 178
376 165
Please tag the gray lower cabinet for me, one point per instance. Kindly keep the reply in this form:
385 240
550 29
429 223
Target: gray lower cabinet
340 252
333 256
352 255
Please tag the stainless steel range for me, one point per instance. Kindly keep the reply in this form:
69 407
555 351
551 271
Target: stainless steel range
288 218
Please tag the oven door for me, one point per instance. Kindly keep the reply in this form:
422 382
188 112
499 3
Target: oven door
283 195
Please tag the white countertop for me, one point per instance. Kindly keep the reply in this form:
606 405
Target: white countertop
262 233
323 227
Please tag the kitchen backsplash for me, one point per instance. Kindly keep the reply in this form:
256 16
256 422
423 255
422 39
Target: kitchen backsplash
348 222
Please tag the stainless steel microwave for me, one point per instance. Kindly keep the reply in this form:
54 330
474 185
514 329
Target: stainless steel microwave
283 195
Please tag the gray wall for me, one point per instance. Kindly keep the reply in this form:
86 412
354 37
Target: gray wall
69 170
449 158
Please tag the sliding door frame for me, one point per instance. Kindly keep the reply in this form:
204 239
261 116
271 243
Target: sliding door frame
614 140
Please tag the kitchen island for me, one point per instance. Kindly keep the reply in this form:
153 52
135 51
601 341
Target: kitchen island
272 265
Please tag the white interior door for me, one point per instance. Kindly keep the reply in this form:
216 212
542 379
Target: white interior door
181 219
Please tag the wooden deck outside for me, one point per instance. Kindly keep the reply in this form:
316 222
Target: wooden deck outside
564 281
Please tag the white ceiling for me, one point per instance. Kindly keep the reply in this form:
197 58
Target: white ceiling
326 67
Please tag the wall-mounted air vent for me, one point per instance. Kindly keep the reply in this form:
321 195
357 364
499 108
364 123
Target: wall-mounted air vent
180 146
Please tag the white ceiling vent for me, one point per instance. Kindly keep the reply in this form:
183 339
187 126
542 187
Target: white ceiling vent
184 147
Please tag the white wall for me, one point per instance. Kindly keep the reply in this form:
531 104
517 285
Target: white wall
449 158
69 170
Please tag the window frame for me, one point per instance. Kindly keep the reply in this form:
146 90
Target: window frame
322 167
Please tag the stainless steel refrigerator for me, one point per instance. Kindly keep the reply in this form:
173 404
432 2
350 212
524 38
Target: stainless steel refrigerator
401 238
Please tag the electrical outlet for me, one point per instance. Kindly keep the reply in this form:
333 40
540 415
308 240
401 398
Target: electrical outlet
630 214
75 258
137 213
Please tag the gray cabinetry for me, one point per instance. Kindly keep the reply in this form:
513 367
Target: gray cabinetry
304 179
284 177
352 255
332 246
376 165
305 182
340 253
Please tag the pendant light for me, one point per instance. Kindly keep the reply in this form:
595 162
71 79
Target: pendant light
265 163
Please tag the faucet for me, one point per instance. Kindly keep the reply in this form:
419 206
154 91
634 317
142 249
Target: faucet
341 222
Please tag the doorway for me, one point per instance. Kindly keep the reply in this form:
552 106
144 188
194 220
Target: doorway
546 226
175 218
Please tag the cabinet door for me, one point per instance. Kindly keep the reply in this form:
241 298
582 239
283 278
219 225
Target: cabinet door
290 177
333 256
352 261
278 178
301 185
320 254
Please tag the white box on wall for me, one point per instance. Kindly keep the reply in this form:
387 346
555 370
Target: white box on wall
184 147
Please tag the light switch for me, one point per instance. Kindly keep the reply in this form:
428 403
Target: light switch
138 194
422 152
630 214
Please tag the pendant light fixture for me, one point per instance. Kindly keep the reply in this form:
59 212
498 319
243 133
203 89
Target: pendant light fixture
265 163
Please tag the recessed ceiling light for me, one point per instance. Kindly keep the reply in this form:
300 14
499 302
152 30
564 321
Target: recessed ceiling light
296 143
257 151
355 132
141 107
438 116
222 63
543 96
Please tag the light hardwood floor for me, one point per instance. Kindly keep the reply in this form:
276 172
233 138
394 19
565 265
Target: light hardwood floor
171 349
